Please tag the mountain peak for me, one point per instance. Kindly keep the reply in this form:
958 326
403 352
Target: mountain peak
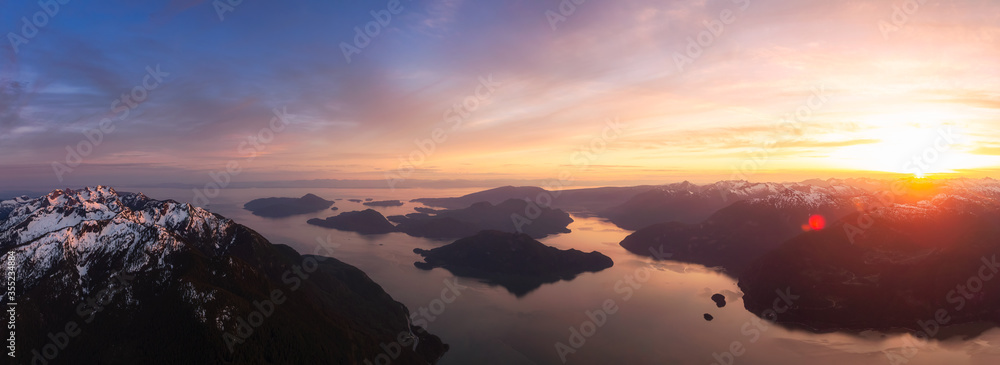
182 268
100 225
87 194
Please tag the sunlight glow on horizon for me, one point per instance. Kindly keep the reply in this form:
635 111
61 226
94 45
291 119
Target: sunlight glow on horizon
885 99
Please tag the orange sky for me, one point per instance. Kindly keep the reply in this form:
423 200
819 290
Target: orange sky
914 95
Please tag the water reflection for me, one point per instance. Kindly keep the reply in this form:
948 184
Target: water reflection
659 320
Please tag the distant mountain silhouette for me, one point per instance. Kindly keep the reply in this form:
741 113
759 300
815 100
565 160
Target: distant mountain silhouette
591 201
434 227
684 202
284 207
367 221
739 233
630 208
512 215
894 266
586 201
455 223
512 260
636 207
931 246
493 196
895 275
383 203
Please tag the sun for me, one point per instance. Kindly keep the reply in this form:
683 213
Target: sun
918 149
905 149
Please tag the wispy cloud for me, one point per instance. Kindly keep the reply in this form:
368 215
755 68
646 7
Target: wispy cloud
608 59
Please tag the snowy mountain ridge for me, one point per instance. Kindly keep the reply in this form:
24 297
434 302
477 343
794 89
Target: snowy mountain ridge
99 225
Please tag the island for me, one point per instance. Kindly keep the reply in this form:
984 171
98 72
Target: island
509 216
364 222
285 207
586 201
720 300
383 203
512 215
493 196
514 261
425 210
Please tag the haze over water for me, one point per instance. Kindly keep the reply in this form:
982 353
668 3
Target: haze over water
661 323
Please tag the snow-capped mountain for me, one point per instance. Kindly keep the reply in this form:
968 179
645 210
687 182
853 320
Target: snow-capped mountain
689 203
191 280
81 228
894 263
765 215
917 198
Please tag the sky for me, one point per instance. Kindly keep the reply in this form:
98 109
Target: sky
390 93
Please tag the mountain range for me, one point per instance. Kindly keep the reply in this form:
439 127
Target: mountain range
175 284
92 264
911 254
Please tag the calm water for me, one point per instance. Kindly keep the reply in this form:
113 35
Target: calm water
661 323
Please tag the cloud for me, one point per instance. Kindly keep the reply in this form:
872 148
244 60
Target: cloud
989 150
606 60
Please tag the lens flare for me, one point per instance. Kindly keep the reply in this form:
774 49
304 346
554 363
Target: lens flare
817 222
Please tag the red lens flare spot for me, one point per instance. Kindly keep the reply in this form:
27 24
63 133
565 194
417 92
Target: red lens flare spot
817 222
